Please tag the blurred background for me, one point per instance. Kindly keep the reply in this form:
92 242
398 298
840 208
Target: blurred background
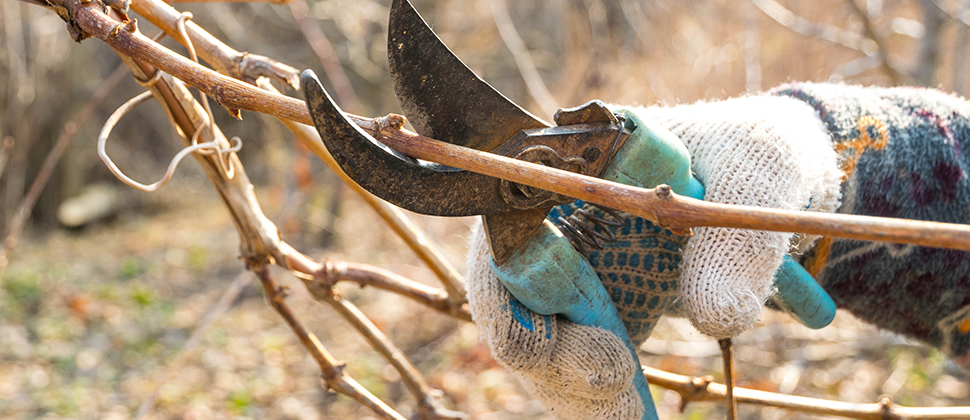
106 285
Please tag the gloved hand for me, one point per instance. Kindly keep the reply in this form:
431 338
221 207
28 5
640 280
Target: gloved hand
902 154
641 269
758 151
578 372
550 276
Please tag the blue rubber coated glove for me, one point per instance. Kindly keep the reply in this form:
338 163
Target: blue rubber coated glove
549 276
642 279
576 371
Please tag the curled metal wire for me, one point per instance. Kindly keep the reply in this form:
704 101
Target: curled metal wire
583 235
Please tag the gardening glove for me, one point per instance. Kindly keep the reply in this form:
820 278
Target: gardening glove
601 377
640 271
905 152
759 151
576 371
641 268
901 153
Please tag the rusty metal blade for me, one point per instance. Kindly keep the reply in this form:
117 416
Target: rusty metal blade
507 232
441 96
421 187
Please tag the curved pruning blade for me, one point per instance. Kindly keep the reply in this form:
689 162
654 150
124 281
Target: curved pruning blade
421 187
441 96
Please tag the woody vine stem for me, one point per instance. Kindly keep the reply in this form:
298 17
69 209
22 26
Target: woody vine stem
261 244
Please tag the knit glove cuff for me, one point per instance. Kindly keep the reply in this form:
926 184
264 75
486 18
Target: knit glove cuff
757 151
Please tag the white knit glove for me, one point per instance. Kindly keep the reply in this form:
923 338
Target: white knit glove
757 151
760 151
577 372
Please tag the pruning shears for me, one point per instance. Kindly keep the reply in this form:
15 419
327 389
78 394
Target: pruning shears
443 99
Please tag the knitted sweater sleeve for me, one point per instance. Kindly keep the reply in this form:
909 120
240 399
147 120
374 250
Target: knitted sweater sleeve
904 153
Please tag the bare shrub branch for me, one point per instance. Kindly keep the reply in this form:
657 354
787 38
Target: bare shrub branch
693 389
320 277
523 61
200 124
260 241
430 404
727 356
221 55
334 375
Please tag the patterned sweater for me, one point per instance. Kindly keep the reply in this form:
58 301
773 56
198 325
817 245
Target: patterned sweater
904 152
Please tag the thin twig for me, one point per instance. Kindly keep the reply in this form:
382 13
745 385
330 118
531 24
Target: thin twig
324 49
334 375
5 149
811 29
728 358
527 68
237 64
693 389
50 163
661 206
219 307
430 405
321 277
366 275
875 36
